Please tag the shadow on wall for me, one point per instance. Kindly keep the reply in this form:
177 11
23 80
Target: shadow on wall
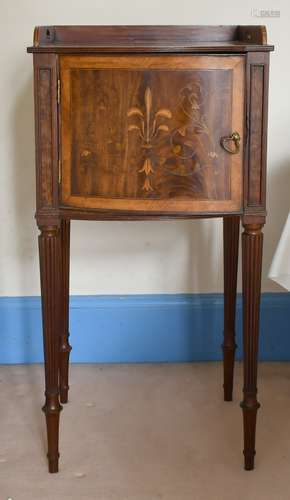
197 237
278 207
198 267
21 326
23 191
205 263
147 257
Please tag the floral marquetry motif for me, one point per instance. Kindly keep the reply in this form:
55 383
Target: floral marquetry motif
182 146
148 132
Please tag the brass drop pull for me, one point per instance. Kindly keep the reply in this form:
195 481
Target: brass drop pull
227 140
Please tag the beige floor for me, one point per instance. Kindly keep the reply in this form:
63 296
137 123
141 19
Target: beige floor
144 432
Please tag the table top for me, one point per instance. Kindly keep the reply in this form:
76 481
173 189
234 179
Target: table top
226 39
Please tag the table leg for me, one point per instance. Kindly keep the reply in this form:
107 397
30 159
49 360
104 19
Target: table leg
231 229
252 246
65 347
50 264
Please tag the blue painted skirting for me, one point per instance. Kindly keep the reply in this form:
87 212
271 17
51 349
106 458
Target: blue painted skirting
141 328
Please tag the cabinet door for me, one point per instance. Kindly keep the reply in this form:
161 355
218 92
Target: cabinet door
144 133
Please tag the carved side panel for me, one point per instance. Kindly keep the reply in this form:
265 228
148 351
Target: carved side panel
46 133
257 99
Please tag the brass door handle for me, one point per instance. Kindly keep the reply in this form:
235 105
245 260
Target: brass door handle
227 140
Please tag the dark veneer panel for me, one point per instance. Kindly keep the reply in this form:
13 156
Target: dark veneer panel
184 160
46 130
256 137
255 175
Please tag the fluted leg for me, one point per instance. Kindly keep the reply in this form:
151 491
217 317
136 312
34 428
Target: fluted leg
65 347
49 253
231 228
252 246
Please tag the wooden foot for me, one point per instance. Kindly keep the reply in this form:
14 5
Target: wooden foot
52 410
65 347
249 417
49 252
252 245
231 228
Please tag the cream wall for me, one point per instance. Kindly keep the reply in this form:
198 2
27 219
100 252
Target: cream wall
120 257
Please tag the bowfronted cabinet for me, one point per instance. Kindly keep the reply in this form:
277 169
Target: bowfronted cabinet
145 133
150 122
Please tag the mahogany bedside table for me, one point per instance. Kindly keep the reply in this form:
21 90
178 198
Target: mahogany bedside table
150 122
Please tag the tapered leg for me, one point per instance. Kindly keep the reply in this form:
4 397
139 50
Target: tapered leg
252 246
231 227
65 347
49 253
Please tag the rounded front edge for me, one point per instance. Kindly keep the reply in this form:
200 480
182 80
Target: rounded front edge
103 215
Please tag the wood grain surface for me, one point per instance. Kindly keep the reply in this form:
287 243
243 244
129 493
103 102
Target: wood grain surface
144 132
